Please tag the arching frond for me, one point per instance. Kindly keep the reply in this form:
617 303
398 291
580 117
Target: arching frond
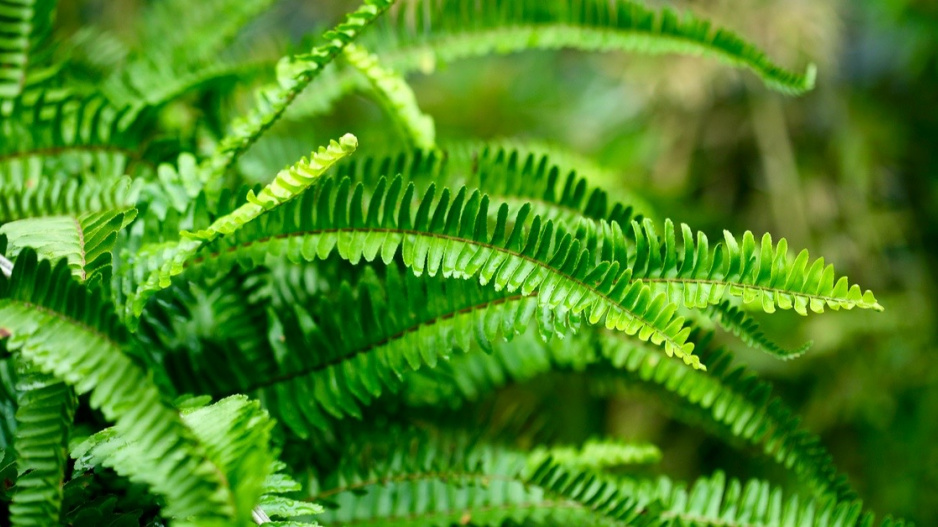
73 334
23 27
597 454
44 417
697 276
735 320
395 96
453 238
294 73
420 34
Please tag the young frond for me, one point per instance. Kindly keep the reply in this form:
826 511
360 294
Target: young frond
735 320
294 73
396 96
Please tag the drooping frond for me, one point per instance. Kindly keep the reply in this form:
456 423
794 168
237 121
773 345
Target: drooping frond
288 183
396 96
44 417
728 400
235 433
735 320
22 198
24 24
697 277
73 334
452 238
84 241
294 73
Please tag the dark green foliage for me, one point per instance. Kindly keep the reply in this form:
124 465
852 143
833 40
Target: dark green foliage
360 319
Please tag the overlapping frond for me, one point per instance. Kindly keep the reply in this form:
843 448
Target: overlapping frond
24 24
396 96
288 183
696 276
597 454
72 333
294 73
44 417
451 236
235 433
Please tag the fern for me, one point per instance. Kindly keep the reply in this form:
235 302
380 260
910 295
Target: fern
735 320
24 25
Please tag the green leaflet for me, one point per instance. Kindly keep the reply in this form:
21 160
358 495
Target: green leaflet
734 319
294 73
286 185
395 96
567 269
698 277
73 334
46 410
422 34
597 454
24 24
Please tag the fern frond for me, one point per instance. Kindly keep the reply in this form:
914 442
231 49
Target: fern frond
73 334
235 433
396 96
84 241
43 420
728 400
286 185
22 198
294 73
597 454
453 238
697 276
735 320
24 24
70 137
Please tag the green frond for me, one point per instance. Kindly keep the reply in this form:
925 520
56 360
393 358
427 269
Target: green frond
84 241
422 34
452 237
234 432
288 183
597 454
24 24
21 198
396 96
735 320
453 480
728 400
697 277
72 333
294 73
43 420
68 138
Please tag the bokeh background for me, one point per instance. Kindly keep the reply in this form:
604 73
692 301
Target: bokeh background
849 171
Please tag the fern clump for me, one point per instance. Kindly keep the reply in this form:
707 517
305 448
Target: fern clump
181 346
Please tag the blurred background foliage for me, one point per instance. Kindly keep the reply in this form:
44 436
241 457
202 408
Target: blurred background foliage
849 171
